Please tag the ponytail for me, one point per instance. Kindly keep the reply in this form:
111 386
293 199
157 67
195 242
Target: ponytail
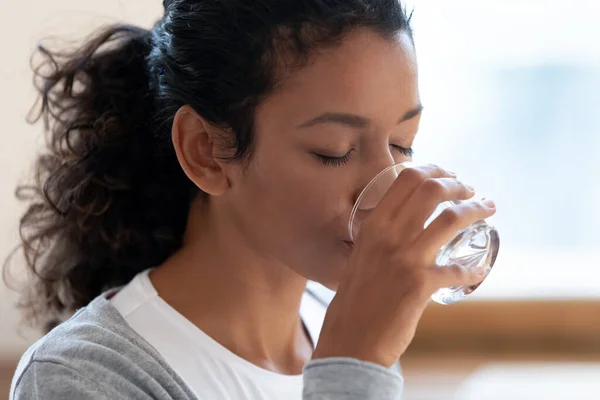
106 201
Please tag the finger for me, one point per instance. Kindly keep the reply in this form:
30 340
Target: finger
454 275
446 226
406 183
423 202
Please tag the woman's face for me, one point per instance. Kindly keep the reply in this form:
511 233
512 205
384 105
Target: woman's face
320 138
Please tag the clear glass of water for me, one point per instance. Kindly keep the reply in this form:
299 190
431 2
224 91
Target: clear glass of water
474 246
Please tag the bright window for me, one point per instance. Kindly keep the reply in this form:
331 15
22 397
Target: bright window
512 97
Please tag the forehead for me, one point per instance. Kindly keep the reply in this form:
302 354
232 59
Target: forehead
365 74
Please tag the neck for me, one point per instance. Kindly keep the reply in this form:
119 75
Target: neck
245 302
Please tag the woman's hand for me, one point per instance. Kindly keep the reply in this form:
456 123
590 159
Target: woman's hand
391 273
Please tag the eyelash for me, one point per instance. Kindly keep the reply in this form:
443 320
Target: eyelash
337 161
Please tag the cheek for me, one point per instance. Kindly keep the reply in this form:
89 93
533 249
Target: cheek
295 209
301 202
295 215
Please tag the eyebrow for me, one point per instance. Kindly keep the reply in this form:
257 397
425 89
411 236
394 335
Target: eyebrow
355 121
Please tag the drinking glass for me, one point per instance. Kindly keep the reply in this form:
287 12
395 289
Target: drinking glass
474 246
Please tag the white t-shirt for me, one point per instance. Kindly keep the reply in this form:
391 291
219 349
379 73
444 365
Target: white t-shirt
210 370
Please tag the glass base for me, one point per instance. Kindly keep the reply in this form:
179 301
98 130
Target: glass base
474 246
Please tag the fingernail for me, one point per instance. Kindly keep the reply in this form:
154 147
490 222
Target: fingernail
471 188
452 173
489 203
480 271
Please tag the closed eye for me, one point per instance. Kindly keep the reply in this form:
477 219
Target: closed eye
334 161
408 152
337 161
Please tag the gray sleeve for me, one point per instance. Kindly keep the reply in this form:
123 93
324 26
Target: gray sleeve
340 378
53 381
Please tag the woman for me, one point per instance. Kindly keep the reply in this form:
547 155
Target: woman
199 174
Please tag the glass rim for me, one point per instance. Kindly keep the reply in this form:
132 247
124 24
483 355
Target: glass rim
404 164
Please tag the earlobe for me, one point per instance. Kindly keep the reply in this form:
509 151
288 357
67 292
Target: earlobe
195 144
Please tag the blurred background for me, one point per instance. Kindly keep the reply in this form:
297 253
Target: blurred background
511 92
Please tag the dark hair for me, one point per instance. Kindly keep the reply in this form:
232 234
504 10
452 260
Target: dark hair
110 199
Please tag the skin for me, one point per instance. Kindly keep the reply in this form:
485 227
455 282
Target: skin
266 228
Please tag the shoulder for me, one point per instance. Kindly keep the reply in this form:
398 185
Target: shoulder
95 350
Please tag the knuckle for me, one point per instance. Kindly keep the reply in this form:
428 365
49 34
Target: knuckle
463 186
460 187
433 187
478 209
435 167
450 216
440 171
413 175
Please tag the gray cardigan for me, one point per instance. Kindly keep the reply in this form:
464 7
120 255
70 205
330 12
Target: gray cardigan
96 355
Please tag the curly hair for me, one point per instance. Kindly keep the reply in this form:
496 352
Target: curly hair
109 198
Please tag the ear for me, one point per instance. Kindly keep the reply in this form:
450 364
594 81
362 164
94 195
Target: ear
196 146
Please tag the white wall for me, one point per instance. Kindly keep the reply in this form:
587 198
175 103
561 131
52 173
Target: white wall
466 40
23 24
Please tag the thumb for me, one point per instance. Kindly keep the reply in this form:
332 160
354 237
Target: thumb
456 275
